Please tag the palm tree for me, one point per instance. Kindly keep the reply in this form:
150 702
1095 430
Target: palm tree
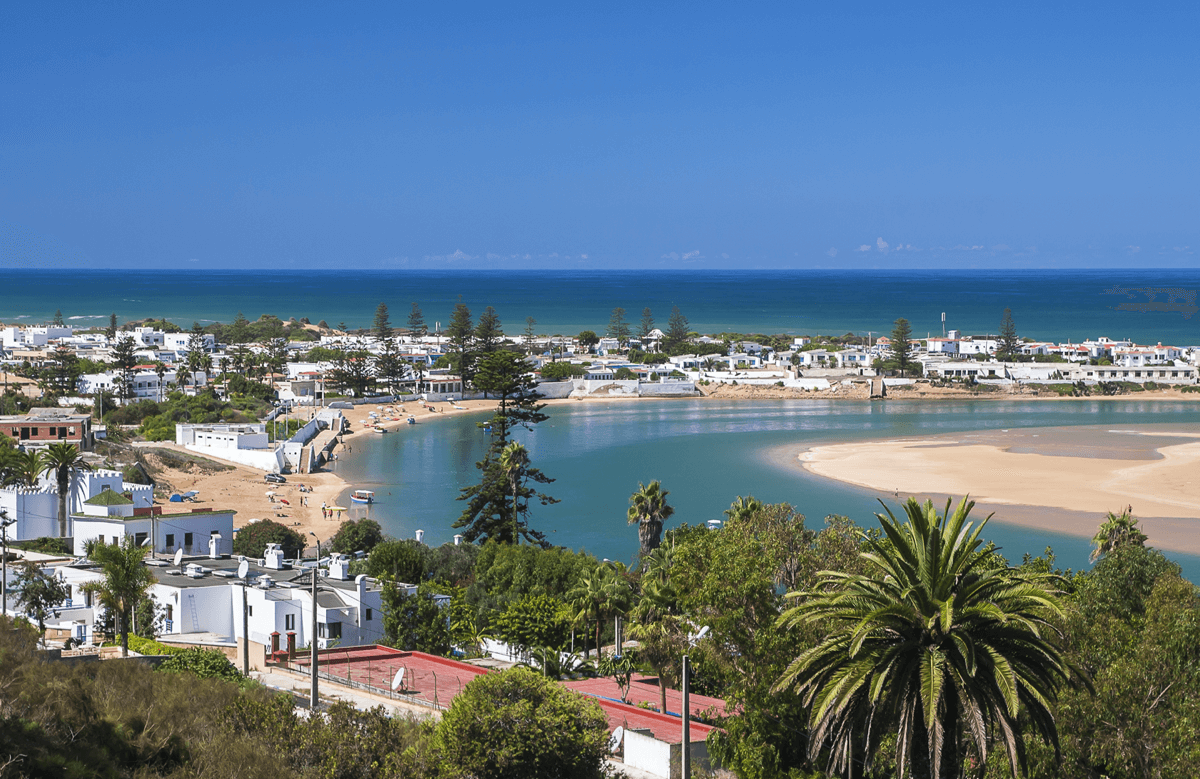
160 370
648 509
26 468
589 598
658 624
125 581
1115 532
930 645
514 461
744 508
61 459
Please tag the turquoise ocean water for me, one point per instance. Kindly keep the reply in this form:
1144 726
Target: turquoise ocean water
1056 305
706 452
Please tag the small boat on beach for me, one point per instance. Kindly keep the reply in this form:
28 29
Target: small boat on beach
362 496
379 429
412 420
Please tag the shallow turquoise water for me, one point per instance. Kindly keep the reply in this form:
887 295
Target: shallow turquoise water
706 452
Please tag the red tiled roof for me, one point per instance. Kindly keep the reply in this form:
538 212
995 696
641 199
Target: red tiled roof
645 689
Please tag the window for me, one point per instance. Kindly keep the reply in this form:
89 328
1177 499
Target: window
249 610
212 533
170 611
139 538
289 622
368 615
335 629
187 539
170 539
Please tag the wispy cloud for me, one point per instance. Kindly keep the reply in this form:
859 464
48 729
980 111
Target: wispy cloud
692 255
832 251
866 247
882 245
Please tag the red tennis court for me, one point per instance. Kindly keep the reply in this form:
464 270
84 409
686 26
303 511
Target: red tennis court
427 679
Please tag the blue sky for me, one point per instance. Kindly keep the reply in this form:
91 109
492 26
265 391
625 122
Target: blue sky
681 135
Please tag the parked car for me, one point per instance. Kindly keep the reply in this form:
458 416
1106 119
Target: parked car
275 478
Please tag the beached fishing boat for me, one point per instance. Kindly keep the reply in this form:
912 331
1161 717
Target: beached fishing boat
412 420
362 496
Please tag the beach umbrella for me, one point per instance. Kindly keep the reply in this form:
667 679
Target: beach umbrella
271 494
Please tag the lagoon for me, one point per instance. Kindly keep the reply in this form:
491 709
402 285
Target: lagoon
706 452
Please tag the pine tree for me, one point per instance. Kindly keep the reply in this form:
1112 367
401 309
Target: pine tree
416 322
124 360
677 329
460 333
647 324
529 334
58 319
617 326
1010 344
239 331
488 334
112 326
383 323
901 345
498 507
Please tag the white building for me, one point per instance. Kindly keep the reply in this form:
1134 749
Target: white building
251 435
36 508
178 342
111 516
204 595
146 384
31 337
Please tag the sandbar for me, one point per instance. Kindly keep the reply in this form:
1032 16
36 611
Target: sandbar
1155 470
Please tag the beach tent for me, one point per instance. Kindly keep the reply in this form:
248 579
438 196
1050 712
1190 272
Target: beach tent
177 498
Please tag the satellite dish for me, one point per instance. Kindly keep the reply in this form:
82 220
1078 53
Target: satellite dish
178 556
243 569
614 740
398 682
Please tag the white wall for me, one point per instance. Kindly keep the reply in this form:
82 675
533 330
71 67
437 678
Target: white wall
262 459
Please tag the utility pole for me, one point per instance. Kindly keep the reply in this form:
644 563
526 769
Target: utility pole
245 629
4 523
312 701
686 714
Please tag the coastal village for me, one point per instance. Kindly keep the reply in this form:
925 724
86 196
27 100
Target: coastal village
183 496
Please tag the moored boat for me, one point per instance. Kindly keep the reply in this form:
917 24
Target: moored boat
362 496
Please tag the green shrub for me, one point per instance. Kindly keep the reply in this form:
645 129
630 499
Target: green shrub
204 663
252 540
148 646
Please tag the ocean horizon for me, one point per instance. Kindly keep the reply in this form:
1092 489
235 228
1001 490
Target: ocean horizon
1145 305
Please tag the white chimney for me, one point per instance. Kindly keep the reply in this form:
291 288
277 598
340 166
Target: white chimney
214 546
273 558
339 567
420 535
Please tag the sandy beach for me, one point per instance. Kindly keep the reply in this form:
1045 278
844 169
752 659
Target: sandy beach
1059 479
